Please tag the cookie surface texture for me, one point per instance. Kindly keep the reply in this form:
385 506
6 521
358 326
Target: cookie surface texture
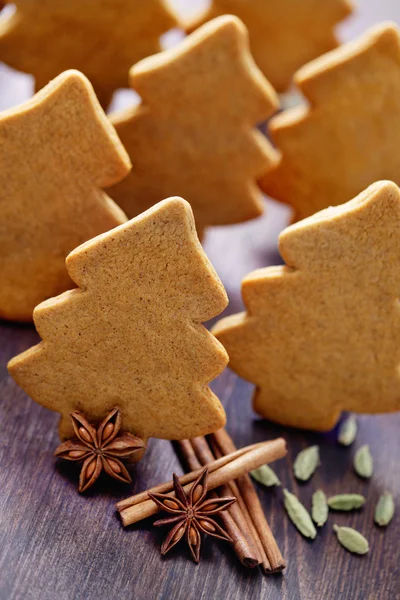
194 133
57 152
321 334
345 139
284 34
101 38
131 336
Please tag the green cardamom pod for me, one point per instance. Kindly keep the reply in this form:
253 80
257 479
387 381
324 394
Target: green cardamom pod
363 462
351 539
348 431
346 501
299 515
266 476
319 511
306 462
384 510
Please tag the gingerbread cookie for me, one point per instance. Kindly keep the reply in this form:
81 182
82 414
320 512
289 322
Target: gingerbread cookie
193 134
284 34
56 153
346 138
321 335
131 335
101 38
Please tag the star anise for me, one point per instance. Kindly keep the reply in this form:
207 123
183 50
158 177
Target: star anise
192 514
99 449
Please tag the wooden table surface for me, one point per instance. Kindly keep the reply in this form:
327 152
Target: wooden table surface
56 544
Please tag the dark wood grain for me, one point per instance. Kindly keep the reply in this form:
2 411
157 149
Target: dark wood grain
56 544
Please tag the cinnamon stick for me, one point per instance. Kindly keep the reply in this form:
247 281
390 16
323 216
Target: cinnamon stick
235 491
242 544
189 455
166 487
245 485
205 456
260 455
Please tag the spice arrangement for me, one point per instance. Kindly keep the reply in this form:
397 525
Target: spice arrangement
254 530
304 466
250 533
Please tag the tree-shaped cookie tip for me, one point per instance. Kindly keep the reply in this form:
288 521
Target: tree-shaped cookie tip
321 334
194 132
131 334
57 151
344 139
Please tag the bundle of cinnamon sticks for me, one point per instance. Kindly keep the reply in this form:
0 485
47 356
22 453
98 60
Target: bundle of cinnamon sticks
228 468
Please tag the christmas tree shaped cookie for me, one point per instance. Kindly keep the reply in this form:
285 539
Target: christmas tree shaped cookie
347 137
193 135
101 38
56 153
131 335
321 334
284 34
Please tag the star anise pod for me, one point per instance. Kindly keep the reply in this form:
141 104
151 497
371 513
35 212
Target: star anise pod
192 514
99 449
